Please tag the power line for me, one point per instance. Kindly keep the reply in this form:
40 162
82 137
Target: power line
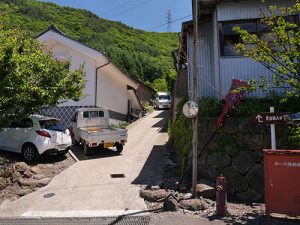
168 22
118 6
130 8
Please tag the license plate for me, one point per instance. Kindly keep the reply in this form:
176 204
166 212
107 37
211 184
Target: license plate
108 145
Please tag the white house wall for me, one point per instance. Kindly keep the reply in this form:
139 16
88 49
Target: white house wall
112 92
63 52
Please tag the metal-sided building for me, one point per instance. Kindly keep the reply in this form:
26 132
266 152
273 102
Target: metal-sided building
218 61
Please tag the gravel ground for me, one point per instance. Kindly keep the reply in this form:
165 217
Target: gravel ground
18 179
238 212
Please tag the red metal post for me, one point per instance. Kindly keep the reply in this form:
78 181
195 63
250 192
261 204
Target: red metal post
221 199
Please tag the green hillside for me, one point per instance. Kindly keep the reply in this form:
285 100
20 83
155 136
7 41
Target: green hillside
143 55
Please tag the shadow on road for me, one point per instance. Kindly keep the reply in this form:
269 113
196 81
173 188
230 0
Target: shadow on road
151 174
10 157
163 123
163 114
95 153
152 171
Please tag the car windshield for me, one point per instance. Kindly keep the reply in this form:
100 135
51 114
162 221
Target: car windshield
52 124
93 114
164 97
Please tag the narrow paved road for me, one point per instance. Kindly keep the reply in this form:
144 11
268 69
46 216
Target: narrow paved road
105 184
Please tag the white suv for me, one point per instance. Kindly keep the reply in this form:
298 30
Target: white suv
35 136
162 101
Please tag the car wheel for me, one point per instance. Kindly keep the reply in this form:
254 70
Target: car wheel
86 149
119 147
30 153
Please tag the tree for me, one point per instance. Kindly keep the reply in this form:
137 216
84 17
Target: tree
143 55
160 84
278 49
31 78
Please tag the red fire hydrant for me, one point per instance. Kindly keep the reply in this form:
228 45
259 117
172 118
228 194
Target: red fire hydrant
221 207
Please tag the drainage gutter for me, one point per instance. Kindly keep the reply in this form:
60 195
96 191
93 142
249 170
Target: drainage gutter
96 89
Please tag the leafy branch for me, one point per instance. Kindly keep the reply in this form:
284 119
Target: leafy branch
280 53
30 77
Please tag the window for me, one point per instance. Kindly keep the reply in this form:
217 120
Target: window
93 114
229 38
86 114
52 124
101 113
266 35
164 97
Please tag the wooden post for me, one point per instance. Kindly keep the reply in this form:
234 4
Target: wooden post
195 97
273 132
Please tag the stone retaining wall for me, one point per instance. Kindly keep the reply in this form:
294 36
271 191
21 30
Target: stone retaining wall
236 151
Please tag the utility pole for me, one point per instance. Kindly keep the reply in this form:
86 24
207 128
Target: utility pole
169 21
195 96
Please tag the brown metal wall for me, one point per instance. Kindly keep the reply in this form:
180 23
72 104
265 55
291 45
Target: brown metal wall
180 89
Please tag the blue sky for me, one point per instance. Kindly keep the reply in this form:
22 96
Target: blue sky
149 15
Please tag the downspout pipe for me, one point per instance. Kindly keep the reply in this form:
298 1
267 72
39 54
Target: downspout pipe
96 89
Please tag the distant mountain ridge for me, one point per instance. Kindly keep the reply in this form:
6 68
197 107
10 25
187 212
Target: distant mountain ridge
143 55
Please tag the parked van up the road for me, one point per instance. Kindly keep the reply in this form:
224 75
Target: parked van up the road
162 100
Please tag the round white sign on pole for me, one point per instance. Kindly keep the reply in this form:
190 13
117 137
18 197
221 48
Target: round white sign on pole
190 109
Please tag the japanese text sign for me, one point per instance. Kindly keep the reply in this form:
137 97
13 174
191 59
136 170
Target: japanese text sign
273 118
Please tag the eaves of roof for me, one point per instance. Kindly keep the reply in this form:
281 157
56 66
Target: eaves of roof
56 31
142 83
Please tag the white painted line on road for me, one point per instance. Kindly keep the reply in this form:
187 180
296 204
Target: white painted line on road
83 213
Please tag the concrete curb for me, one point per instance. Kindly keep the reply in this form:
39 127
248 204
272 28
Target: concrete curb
73 156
